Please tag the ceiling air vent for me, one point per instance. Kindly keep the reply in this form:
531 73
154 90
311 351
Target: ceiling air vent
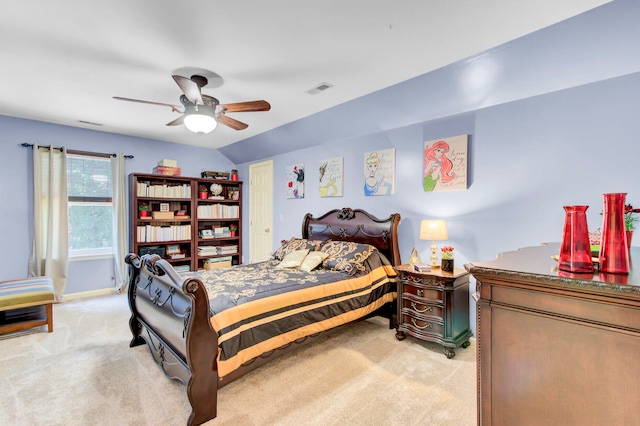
319 88
90 123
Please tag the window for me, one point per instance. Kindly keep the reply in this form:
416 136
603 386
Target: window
90 205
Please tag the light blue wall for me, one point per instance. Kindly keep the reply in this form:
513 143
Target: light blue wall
527 159
16 185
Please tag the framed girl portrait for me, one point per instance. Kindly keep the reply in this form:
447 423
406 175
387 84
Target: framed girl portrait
445 164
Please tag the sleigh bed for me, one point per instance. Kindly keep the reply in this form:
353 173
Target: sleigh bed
209 328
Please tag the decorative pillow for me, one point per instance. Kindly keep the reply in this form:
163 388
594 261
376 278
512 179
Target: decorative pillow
346 256
293 259
313 259
295 244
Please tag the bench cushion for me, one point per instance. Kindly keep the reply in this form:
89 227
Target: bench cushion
26 292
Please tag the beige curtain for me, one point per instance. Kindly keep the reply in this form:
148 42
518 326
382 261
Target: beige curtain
120 227
50 251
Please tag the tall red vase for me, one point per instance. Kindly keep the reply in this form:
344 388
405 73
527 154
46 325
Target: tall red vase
575 249
614 251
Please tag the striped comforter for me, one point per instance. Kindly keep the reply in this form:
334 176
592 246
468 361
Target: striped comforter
257 308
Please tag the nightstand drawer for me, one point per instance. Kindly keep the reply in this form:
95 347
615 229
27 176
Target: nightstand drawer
422 307
409 290
416 325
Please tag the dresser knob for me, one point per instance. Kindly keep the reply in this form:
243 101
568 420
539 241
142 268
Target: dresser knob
420 292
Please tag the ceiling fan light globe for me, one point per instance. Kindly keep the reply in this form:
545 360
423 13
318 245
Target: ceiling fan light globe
200 123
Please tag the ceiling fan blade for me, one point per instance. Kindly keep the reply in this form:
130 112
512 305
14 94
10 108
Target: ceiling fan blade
248 106
176 108
190 89
230 122
178 121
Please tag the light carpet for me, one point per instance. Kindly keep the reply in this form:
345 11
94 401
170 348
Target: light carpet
359 374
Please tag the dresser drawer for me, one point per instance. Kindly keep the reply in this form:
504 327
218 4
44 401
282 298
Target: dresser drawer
409 290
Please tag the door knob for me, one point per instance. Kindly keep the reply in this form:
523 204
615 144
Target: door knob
267 230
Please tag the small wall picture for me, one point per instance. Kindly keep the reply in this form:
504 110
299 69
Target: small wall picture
379 172
294 177
331 177
164 207
445 164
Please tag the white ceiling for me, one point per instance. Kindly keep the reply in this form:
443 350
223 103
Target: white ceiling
63 61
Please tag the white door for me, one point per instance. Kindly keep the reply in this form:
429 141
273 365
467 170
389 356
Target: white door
260 211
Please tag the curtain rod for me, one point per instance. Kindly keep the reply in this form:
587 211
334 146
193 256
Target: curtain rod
73 151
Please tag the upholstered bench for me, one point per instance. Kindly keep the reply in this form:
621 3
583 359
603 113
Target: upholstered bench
26 303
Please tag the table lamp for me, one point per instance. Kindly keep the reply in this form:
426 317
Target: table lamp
434 230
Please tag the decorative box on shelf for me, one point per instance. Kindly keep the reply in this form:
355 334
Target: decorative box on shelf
166 171
162 215
168 163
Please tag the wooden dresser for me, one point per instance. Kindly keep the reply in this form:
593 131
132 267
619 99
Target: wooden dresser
555 347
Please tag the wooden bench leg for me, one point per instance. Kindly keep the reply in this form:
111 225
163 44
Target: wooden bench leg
50 317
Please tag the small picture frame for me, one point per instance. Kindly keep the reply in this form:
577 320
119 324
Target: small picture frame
164 207
206 233
173 249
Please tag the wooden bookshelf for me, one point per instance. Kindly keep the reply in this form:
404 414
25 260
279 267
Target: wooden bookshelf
178 215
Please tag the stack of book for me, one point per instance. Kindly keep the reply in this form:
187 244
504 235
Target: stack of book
228 249
204 251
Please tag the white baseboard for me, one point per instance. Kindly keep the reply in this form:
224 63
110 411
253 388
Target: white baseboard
91 293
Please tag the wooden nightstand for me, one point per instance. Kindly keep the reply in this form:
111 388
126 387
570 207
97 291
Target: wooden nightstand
434 306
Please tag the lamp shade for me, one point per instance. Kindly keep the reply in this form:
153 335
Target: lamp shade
200 123
434 230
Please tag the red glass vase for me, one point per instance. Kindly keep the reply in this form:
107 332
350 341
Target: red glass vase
575 249
614 251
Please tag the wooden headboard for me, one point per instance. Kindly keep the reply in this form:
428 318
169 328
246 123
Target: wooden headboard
357 225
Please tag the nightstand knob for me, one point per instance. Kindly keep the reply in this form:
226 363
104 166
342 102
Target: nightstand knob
420 292
426 308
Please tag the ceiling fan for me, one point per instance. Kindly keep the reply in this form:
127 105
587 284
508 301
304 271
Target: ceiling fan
202 113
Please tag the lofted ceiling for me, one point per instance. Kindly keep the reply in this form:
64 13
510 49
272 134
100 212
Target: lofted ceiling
63 61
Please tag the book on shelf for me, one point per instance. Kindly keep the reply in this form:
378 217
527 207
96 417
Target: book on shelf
218 211
219 259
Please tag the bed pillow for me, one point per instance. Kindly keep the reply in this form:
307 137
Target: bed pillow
346 256
293 259
295 244
312 260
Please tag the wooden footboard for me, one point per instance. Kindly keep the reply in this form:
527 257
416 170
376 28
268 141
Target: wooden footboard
171 316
